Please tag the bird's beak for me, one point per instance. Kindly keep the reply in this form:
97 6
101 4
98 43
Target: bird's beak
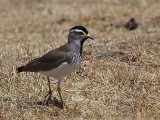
88 36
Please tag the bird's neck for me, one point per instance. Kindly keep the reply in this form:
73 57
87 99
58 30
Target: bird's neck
76 47
76 43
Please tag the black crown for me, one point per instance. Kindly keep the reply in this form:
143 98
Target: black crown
80 28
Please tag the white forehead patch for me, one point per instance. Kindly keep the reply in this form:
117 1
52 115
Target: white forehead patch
76 30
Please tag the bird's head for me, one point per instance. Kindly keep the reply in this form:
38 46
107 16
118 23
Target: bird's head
78 34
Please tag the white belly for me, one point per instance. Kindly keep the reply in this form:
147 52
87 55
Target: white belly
62 71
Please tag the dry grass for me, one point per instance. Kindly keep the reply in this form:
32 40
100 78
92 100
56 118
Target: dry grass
122 83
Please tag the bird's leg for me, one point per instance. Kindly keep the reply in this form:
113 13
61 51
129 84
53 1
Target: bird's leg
59 92
49 92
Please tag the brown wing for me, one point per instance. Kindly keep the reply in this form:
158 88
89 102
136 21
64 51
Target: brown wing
49 61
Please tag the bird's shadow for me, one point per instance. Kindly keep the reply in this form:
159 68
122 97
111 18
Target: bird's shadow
53 101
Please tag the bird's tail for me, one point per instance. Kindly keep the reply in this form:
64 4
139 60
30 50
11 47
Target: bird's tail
20 69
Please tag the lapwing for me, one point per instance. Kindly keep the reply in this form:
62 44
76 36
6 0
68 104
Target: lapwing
60 62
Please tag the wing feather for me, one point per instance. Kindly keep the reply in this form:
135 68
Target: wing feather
51 60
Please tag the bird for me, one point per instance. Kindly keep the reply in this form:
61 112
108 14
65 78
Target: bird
131 24
60 62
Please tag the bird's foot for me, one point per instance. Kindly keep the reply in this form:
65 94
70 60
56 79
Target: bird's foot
48 94
55 102
52 101
47 99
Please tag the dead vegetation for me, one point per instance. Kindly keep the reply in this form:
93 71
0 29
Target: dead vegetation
120 74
